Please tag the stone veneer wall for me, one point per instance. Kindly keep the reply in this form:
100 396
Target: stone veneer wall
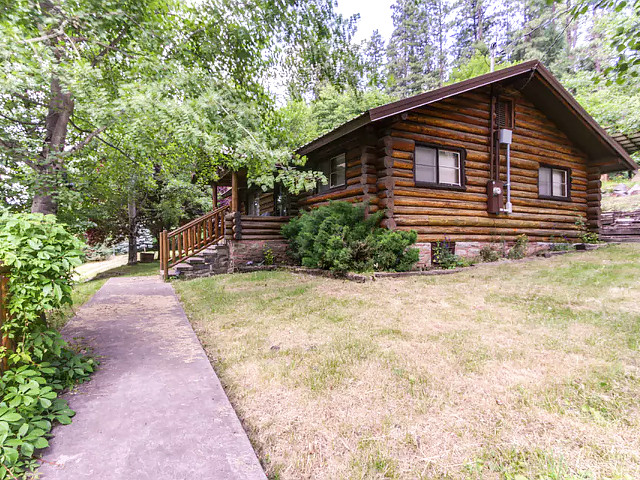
472 249
251 252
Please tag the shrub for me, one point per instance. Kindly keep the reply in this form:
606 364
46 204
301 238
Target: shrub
489 254
96 253
589 237
519 249
444 257
338 237
269 257
41 255
586 236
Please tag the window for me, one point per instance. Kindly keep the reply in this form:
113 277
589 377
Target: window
553 182
438 166
253 203
334 169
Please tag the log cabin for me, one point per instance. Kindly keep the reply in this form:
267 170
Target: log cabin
474 163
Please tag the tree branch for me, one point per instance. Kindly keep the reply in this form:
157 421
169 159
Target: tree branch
55 33
23 122
106 49
85 142
108 144
27 99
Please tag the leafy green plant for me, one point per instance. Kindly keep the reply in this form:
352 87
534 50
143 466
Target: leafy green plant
41 256
269 257
444 257
338 237
586 236
519 249
489 254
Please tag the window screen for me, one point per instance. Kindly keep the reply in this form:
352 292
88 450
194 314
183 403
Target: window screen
553 182
437 165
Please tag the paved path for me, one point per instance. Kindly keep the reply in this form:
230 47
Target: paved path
88 270
155 408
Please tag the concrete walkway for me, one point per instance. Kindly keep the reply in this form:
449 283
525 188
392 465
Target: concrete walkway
88 270
155 408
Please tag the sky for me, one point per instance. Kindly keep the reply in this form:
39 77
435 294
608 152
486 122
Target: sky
374 14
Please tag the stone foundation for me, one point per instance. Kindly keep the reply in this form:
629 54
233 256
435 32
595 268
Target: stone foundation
251 252
472 249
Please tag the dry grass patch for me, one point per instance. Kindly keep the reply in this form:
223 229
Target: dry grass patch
514 371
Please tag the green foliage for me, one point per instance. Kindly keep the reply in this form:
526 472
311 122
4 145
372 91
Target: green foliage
444 257
303 122
590 237
417 47
41 255
478 64
625 40
489 254
586 236
96 253
269 257
519 249
338 237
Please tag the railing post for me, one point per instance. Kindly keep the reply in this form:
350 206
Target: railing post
164 255
4 314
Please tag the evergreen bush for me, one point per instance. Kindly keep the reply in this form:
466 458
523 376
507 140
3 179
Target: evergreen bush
338 237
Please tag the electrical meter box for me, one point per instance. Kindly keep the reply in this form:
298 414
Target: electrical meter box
495 196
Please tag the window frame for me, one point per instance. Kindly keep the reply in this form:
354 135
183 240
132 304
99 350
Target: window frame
567 172
328 186
444 186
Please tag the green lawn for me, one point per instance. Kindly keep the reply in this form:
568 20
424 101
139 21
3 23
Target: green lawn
524 370
83 291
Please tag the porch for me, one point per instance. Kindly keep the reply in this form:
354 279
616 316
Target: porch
244 228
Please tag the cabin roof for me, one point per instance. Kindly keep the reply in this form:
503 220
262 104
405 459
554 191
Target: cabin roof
532 79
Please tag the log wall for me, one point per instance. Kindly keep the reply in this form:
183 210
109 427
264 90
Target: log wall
463 122
360 174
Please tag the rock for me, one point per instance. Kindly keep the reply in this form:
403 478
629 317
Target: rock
275 348
635 190
620 190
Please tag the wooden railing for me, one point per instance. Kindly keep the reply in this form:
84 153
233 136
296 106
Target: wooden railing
4 314
190 239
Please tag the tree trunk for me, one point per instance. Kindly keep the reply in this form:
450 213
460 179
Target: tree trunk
133 230
49 167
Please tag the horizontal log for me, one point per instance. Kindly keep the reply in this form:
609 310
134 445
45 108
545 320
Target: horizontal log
261 237
481 212
265 218
453 220
335 195
496 231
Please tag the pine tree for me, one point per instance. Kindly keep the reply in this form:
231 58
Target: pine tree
374 61
416 51
471 24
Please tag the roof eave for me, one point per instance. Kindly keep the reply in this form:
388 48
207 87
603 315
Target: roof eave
589 120
344 129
